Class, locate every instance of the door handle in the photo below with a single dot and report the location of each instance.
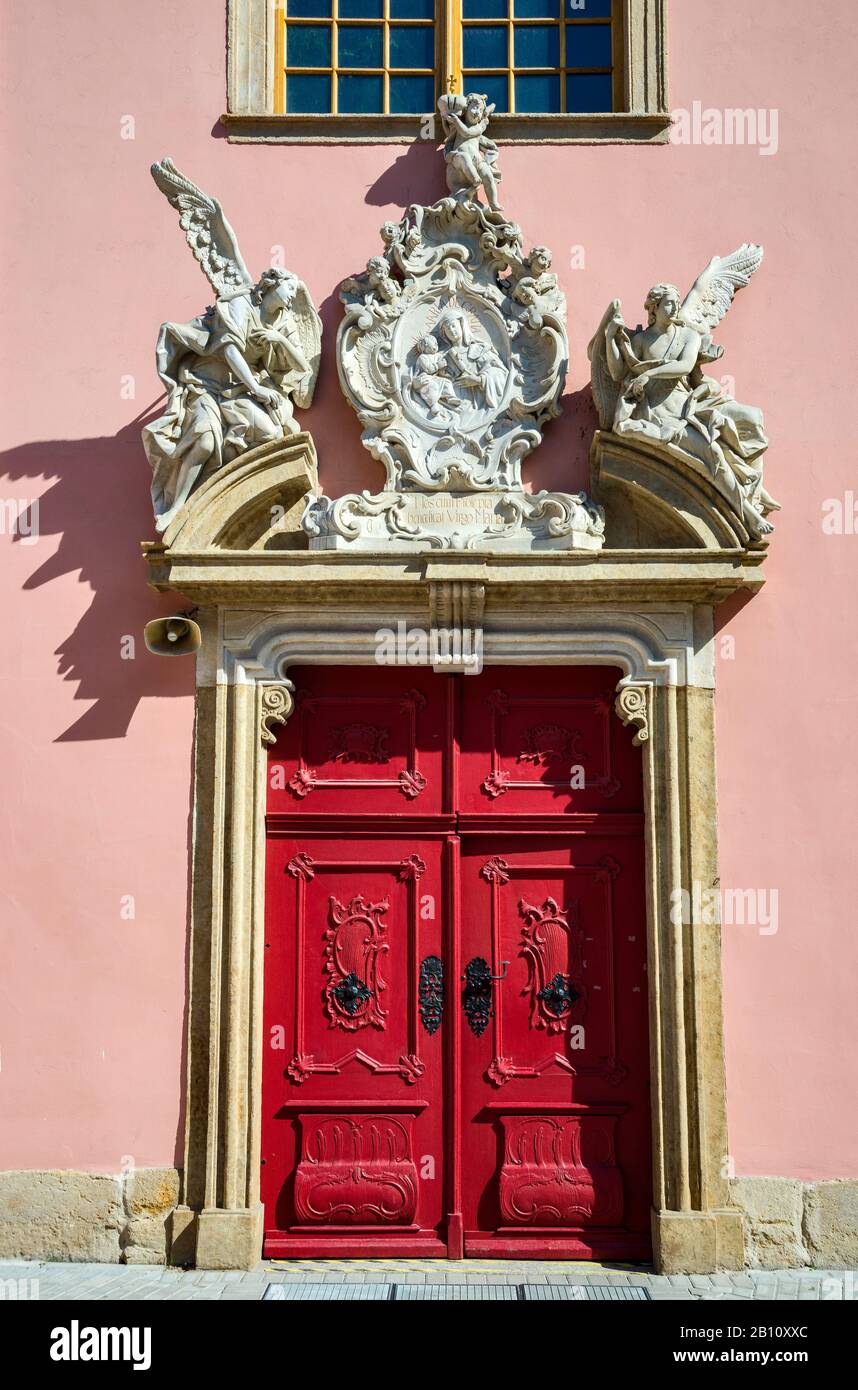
(477, 998)
(430, 993)
(351, 993)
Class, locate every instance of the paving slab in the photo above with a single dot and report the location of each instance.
(414, 1281)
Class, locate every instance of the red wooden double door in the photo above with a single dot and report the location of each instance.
(455, 1000)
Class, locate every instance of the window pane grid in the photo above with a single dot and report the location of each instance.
(364, 57)
(532, 82)
(379, 57)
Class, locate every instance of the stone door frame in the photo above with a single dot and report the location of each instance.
(665, 650)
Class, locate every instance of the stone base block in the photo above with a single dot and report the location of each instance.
(229, 1239)
(831, 1224)
(58, 1215)
(790, 1224)
(105, 1218)
(772, 1209)
(697, 1242)
(183, 1237)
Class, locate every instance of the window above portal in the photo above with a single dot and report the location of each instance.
(372, 70)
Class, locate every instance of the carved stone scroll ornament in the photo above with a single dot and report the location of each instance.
(456, 609)
(650, 383)
(277, 703)
(233, 373)
(453, 353)
(632, 707)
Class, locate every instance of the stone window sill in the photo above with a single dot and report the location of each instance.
(618, 128)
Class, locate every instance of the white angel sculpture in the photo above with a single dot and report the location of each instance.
(471, 156)
(650, 382)
(233, 372)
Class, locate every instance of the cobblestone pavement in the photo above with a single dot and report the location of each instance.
(531, 1279)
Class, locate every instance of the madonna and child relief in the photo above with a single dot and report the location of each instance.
(457, 370)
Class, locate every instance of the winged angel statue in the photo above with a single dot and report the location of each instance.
(233, 373)
(651, 382)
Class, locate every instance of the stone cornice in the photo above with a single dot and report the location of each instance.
(264, 578)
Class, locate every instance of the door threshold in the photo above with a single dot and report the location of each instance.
(345, 1247)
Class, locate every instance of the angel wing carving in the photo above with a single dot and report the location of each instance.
(651, 383)
(308, 329)
(206, 230)
(235, 372)
(606, 391)
(712, 292)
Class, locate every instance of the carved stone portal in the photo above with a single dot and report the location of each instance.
(453, 353)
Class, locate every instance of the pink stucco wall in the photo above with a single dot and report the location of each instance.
(96, 749)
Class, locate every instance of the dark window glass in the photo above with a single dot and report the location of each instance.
(536, 9)
(537, 92)
(363, 95)
(412, 9)
(485, 46)
(309, 9)
(589, 92)
(537, 45)
(412, 95)
(360, 9)
(493, 85)
(484, 9)
(588, 46)
(308, 46)
(411, 47)
(308, 95)
(360, 46)
(588, 9)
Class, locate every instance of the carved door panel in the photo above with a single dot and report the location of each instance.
(554, 1048)
(545, 743)
(352, 1144)
(363, 741)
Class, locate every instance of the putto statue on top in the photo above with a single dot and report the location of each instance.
(233, 373)
(651, 383)
(453, 353)
(471, 157)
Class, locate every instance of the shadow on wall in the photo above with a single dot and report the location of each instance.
(417, 176)
(99, 507)
(561, 462)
